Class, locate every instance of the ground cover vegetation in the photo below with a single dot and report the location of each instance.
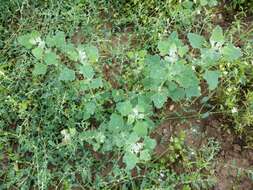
(99, 94)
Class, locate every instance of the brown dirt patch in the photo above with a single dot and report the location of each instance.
(231, 164)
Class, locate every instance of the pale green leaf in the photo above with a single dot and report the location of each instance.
(96, 83)
(67, 75)
(90, 107)
(51, 58)
(217, 36)
(211, 78)
(116, 123)
(149, 143)
(193, 91)
(159, 99)
(59, 39)
(24, 41)
(144, 155)
(87, 71)
(182, 50)
(38, 52)
(130, 160)
(125, 108)
(132, 139)
(70, 50)
(196, 40)
(164, 47)
(141, 128)
(39, 69)
(231, 53)
(92, 53)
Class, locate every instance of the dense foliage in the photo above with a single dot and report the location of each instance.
(82, 113)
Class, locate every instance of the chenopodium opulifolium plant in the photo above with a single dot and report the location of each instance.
(124, 126)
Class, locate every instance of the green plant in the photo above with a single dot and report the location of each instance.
(86, 110)
(79, 105)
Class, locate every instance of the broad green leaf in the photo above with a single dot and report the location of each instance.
(159, 99)
(130, 160)
(50, 42)
(177, 94)
(92, 53)
(209, 57)
(158, 72)
(24, 41)
(70, 50)
(217, 36)
(96, 83)
(67, 75)
(117, 94)
(193, 91)
(211, 78)
(203, 2)
(144, 155)
(116, 123)
(132, 139)
(87, 71)
(35, 37)
(196, 40)
(59, 39)
(231, 53)
(182, 50)
(39, 69)
(141, 128)
(164, 47)
(51, 58)
(149, 143)
(152, 59)
(125, 108)
(38, 52)
(90, 107)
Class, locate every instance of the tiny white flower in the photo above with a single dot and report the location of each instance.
(66, 137)
(141, 116)
(2, 73)
(135, 111)
(229, 89)
(192, 153)
(38, 41)
(194, 130)
(162, 175)
(136, 148)
(34, 41)
(234, 110)
(193, 68)
(82, 55)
